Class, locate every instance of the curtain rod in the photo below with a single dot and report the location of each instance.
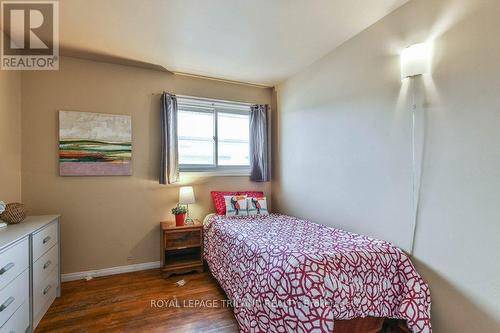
(206, 99)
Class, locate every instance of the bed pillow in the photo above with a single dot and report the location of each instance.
(236, 205)
(257, 206)
(252, 194)
(219, 203)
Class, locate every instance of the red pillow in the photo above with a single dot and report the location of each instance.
(219, 203)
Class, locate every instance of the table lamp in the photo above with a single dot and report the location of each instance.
(186, 197)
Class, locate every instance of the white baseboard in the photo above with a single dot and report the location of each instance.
(110, 271)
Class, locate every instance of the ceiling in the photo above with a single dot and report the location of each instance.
(253, 41)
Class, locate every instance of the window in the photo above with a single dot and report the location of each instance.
(213, 135)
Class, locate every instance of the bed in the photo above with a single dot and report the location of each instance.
(284, 274)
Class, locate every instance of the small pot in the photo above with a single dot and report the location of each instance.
(179, 219)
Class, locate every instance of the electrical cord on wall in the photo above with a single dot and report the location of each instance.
(416, 162)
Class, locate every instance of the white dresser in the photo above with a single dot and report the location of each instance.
(30, 275)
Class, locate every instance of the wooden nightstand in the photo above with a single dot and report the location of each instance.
(181, 248)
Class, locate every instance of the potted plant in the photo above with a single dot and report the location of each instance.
(180, 215)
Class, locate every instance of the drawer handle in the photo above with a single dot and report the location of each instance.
(46, 239)
(47, 264)
(46, 290)
(6, 268)
(6, 304)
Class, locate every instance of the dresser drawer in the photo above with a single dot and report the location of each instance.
(45, 292)
(13, 261)
(13, 295)
(43, 310)
(43, 240)
(44, 265)
(19, 321)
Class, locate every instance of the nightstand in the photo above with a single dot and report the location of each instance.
(181, 248)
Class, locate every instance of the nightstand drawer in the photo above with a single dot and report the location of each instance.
(182, 239)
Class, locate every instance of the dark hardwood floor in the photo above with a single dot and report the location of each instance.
(146, 302)
(126, 303)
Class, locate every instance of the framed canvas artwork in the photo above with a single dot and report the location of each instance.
(94, 144)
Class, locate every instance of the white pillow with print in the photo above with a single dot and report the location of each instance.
(257, 206)
(236, 205)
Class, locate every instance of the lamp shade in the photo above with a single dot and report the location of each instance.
(186, 195)
(416, 60)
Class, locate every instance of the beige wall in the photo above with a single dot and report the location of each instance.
(10, 136)
(112, 221)
(344, 142)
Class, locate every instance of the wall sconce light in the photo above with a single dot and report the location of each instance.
(416, 60)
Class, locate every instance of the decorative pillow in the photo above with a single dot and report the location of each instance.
(252, 194)
(236, 205)
(219, 202)
(257, 206)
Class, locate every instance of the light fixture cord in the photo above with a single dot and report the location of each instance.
(416, 171)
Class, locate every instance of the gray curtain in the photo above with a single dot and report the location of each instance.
(169, 164)
(260, 170)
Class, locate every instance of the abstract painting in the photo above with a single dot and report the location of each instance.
(94, 144)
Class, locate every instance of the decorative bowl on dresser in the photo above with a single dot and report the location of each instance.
(181, 248)
(30, 275)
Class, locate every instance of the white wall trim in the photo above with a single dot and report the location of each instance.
(110, 271)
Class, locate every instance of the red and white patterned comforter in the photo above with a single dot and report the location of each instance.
(284, 274)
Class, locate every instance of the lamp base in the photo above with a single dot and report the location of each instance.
(188, 220)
